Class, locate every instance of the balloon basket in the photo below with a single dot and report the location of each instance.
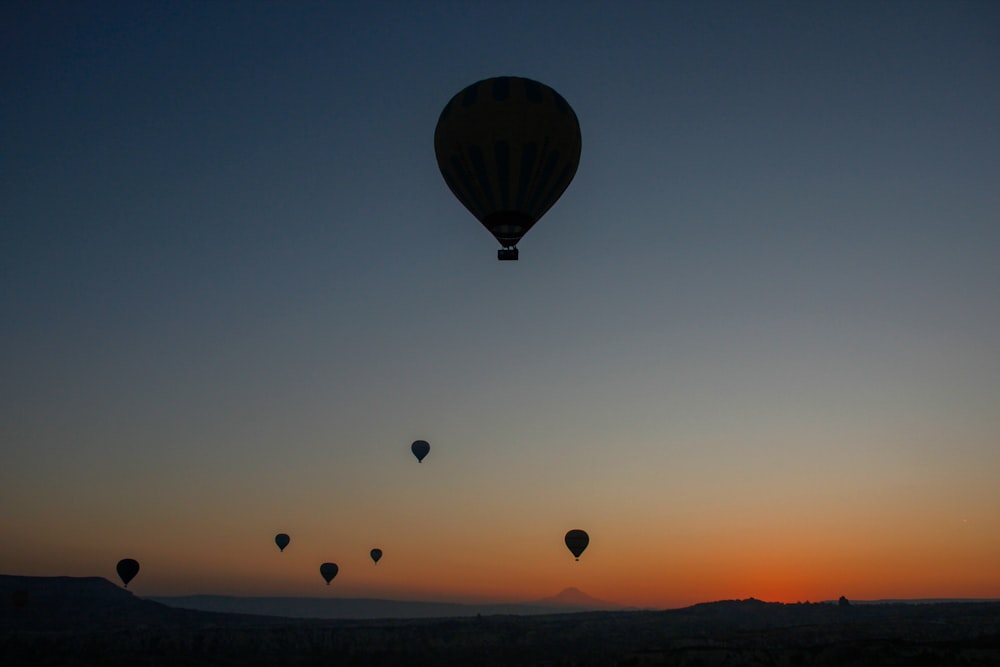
(507, 254)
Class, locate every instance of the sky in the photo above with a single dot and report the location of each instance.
(752, 350)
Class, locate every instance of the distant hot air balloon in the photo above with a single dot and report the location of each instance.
(577, 541)
(329, 571)
(282, 540)
(127, 569)
(420, 449)
(376, 554)
(508, 147)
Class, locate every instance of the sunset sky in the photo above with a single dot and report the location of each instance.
(754, 350)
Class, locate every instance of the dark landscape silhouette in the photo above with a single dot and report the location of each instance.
(89, 620)
(567, 601)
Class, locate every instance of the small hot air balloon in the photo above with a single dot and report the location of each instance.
(508, 147)
(282, 540)
(577, 541)
(376, 555)
(127, 569)
(420, 449)
(329, 571)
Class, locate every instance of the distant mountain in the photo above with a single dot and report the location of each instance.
(569, 601)
(327, 608)
(85, 603)
(577, 600)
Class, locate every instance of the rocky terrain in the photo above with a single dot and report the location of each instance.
(89, 621)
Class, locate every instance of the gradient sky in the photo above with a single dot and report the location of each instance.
(753, 350)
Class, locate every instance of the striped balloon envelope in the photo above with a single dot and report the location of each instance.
(508, 147)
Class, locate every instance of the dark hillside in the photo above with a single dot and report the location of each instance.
(71, 622)
(82, 604)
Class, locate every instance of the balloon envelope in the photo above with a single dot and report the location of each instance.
(420, 449)
(508, 147)
(376, 554)
(329, 571)
(577, 541)
(127, 569)
(282, 540)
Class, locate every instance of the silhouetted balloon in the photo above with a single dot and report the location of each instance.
(420, 449)
(127, 569)
(577, 541)
(282, 541)
(376, 554)
(508, 147)
(329, 571)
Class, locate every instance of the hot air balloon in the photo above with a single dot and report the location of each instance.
(376, 554)
(127, 569)
(329, 571)
(282, 540)
(420, 449)
(508, 147)
(577, 541)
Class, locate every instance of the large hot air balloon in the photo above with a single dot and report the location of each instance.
(127, 569)
(420, 449)
(329, 571)
(577, 541)
(282, 540)
(376, 555)
(508, 148)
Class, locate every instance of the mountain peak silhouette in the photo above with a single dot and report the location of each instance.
(574, 597)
